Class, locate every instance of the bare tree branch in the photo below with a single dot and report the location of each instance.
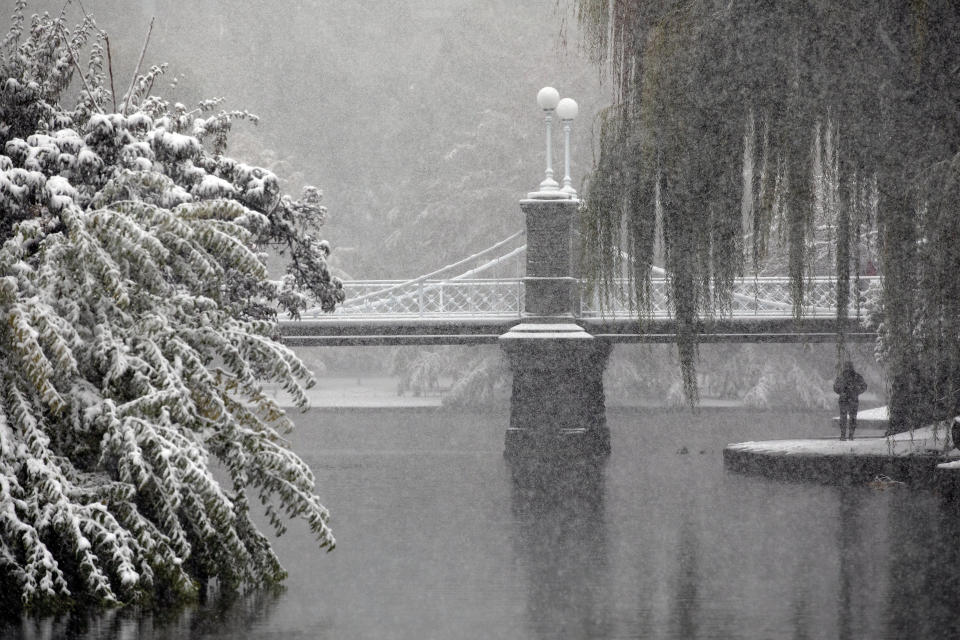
(113, 91)
(136, 72)
(83, 79)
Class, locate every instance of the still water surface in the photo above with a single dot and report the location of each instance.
(439, 538)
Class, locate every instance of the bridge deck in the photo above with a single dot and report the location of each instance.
(766, 297)
(479, 311)
(406, 330)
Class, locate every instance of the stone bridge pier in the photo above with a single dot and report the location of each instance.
(557, 402)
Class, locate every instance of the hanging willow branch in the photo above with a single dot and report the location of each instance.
(696, 87)
(649, 183)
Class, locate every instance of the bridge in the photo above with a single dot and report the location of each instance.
(479, 311)
(454, 306)
(556, 335)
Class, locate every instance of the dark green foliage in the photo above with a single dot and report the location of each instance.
(922, 301)
(700, 85)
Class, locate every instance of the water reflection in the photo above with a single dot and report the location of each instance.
(800, 620)
(943, 581)
(561, 541)
(924, 570)
(686, 601)
(849, 545)
(226, 616)
(441, 539)
(908, 526)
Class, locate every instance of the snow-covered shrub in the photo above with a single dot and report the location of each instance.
(420, 370)
(136, 335)
(789, 383)
(482, 382)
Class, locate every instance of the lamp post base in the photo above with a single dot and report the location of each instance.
(557, 405)
(554, 193)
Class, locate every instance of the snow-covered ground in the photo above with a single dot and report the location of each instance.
(921, 441)
(350, 393)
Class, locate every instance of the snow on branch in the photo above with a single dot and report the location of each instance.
(136, 335)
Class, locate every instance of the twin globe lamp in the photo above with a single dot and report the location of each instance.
(549, 100)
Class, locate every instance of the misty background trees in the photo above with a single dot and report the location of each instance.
(417, 117)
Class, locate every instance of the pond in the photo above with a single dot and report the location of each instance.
(439, 538)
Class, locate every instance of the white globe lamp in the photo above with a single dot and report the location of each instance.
(547, 99)
(567, 109)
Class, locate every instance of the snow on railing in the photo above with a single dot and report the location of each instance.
(465, 297)
(768, 297)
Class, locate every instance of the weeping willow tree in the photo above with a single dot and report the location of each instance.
(743, 131)
(921, 324)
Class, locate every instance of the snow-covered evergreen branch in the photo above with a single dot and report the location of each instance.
(136, 336)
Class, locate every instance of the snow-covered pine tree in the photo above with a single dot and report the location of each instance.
(136, 336)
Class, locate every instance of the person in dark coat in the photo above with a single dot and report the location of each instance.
(848, 386)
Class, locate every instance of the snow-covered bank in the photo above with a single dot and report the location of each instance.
(343, 392)
(910, 457)
(924, 441)
(360, 393)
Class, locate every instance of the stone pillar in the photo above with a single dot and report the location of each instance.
(550, 287)
(557, 404)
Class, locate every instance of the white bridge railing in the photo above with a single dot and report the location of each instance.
(768, 297)
(431, 298)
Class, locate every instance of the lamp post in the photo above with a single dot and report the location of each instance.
(556, 402)
(567, 109)
(547, 99)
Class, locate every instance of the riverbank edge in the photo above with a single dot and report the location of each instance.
(917, 470)
(435, 403)
(925, 457)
